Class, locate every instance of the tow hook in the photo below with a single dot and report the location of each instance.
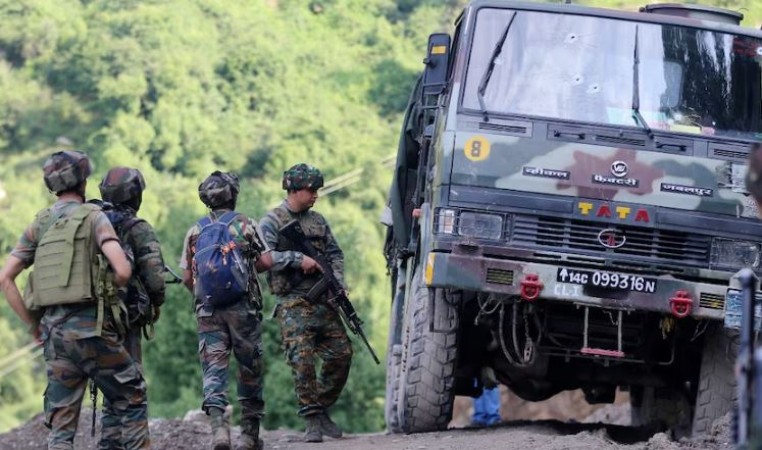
(681, 304)
(531, 286)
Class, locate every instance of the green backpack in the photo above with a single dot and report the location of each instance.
(66, 261)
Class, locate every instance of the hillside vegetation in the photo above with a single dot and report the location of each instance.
(179, 88)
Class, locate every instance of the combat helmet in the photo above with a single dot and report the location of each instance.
(122, 184)
(302, 176)
(65, 170)
(219, 188)
(754, 173)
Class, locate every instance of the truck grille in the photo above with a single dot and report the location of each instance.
(655, 246)
(711, 301)
(500, 276)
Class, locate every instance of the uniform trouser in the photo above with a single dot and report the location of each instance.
(237, 328)
(70, 363)
(311, 330)
(111, 426)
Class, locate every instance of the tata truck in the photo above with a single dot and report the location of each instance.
(568, 211)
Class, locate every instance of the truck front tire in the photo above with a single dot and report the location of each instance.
(716, 391)
(427, 359)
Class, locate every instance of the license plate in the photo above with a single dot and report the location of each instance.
(734, 309)
(607, 280)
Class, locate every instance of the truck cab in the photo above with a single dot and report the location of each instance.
(568, 211)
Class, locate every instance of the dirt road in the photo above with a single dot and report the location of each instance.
(544, 435)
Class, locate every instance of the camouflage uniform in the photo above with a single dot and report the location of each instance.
(309, 328)
(146, 288)
(236, 328)
(74, 351)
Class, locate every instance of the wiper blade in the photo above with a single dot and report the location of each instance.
(639, 119)
(491, 66)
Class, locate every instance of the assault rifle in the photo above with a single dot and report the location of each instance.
(293, 232)
(748, 414)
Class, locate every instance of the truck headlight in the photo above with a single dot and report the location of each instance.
(445, 221)
(479, 225)
(734, 255)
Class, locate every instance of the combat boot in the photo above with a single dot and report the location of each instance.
(220, 429)
(249, 438)
(328, 427)
(312, 432)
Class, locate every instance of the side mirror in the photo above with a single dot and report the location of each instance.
(437, 62)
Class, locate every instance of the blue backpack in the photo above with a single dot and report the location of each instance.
(221, 276)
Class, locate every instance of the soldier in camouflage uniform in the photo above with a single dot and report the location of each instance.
(236, 328)
(78, 342)
(123, 187)
(310, 327)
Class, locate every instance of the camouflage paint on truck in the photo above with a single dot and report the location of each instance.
(576, 192)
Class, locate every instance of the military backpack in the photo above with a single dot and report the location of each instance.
(221, 275)
(136, 299)
(67, 260)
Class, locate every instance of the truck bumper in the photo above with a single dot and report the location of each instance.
(663, 293)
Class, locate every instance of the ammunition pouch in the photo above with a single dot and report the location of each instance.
(316, 293)
(110, 298)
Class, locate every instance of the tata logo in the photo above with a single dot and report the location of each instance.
(619, 169)
(611, 238)
(608, 211)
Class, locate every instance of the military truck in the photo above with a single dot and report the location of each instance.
(568, 211)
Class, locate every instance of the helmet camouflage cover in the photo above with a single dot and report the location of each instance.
(302, 176)
(754, 173)
(121, 184)
(219, 188)
(66, 170)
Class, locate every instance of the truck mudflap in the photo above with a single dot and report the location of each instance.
(590, 287)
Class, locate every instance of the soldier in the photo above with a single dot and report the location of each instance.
(123, 187)
(236, 326)
(79, 341)
(309, 326)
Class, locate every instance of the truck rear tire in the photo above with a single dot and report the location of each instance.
(428, 357)
(716, 391)
(393, 357)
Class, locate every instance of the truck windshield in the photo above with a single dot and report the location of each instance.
(580, 68)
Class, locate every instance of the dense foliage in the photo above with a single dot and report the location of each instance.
(179, 88)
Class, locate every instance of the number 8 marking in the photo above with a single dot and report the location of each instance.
(477, 148)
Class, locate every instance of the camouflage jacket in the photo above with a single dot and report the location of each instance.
(286, 279)
(76, 321)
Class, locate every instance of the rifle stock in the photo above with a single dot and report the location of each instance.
(293, 232)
